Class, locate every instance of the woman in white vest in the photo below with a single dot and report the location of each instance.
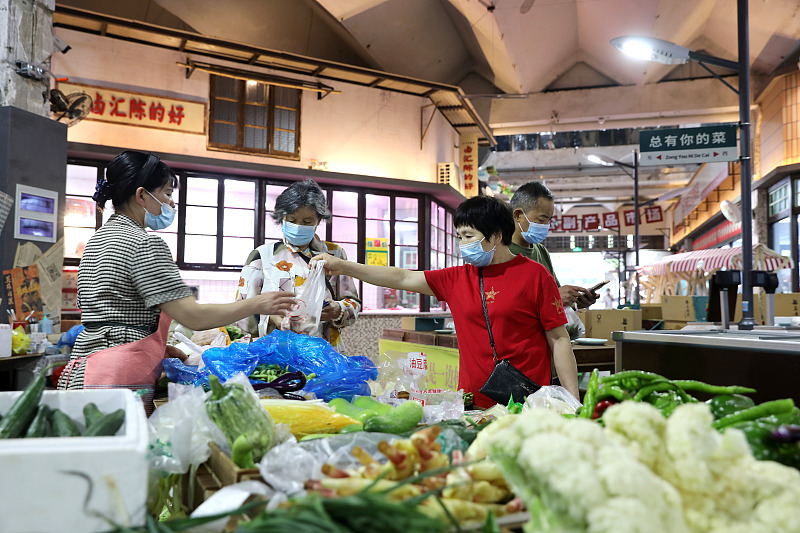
(283, 265)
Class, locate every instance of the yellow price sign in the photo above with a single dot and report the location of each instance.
(377, 251)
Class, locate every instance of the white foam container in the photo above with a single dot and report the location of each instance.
(38, 495)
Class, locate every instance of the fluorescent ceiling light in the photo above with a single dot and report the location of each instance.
(649, 49)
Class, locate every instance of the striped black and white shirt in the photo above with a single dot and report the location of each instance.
(124, 275)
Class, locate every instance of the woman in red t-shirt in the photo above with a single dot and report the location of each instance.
(522, 298)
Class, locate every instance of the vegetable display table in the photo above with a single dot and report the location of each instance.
(766, 360)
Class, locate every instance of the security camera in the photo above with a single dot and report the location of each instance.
(61, 45)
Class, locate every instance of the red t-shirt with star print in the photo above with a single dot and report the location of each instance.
(523, 303)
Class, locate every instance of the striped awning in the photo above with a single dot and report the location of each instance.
(717, 259)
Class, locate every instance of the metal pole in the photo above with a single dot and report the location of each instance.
(746, 165)
(636, 221)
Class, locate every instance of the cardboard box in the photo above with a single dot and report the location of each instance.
(684, 308)
(674, 324)
(787, 304)
(677, 308)
(602, 322)
(651, 312)
(759, 308)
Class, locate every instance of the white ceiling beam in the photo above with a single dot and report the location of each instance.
(492, 43)
(680, 102)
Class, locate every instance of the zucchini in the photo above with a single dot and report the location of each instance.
(402, 418)
(91, 413)
(63, 425)
(107, 425)
(16, 421)
(40, 425)
(236, 411)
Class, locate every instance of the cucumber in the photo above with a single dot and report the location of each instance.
(371, 404)
(16, 421)
(402, 418)
(91, 413)
(40, 425)
(352, 428)
(343, 407)
(107, 425)
(63, 425)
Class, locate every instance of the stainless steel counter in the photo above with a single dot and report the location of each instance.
(766, 359)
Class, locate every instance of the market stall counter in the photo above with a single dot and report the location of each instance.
(767, 360)
(442, 354)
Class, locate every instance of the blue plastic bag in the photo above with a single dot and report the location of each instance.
(231, 360)
(68, 338)
(178, 372)
(336, 375)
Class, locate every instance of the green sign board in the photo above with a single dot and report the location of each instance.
(688, 145)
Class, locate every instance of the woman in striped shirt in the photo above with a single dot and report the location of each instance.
(127, 278)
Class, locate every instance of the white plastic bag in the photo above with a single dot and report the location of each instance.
(304, 317)
(575, 326)
(553, 398)
(180, 431)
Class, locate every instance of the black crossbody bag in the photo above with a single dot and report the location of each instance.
(505, 381)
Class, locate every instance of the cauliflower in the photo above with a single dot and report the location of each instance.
(642, 473)
(574, 477)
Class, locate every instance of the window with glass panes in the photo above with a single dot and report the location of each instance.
(82, 218)
(444, 251)
(80, 214)
(779, 199)
(254, 117)
(221, 219)
(219, 226)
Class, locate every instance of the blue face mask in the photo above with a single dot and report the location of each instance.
(474, 254)
(158, 222)
(536, 232)
(297, 235)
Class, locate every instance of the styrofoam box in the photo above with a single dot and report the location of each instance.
(37, 492)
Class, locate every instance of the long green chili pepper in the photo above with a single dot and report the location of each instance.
(627, 374)
(765, 409)
(658, 386)
(611, 391)
(699, 386)
(590, 400)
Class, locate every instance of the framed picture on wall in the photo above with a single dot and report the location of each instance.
(36, 217)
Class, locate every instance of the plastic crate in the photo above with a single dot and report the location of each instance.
(39, 488)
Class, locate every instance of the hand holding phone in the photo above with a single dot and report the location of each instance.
(599, 286)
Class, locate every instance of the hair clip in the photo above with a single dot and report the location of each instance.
(101, 190)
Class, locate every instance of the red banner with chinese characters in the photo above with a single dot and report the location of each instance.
(611, 220)
(144, 110)
(569, 223)
(468, 157)
(653, 214)
(591, 222)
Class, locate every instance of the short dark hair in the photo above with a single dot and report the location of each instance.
(487, 215)
(526, 195)
(129, 171)
(299, 194)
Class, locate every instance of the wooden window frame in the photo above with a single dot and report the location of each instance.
(270, 150)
